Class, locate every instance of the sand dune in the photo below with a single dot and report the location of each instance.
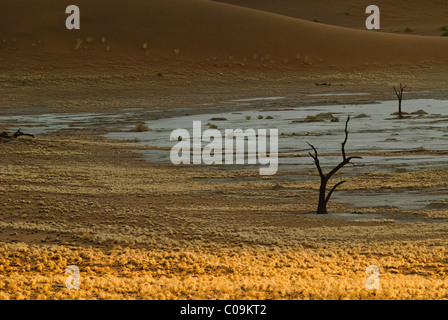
(195, 33)
(420, 17)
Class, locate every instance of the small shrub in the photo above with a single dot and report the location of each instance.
(321, 117)
(408, 30)
(78, 44)
(141, 127)
(311, 118)
(260, 117)
(85, 236)
(334, 119)
(269, 117)
(213, 126)
(444, 34)
(248, 117)
(325, 116)
(419, 112)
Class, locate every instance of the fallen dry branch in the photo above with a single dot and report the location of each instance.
(7, 137)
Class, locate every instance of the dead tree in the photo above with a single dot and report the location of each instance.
(399, 94)
(323, 198)
(16, 134)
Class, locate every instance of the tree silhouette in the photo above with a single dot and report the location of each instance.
(399, 94)
(323, 198)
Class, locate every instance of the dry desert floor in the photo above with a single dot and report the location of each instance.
(141, 230)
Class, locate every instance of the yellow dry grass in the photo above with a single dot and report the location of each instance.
(407, 271)
(135, 232)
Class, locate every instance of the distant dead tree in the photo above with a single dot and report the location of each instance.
(323, 199)
(18, 133)
(399, 94)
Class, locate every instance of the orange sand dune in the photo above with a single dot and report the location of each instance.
(199, 33)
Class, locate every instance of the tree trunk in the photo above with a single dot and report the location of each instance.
(322, 204)
(399, 108)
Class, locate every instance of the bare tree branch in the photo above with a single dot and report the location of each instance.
(346, 137)
(332, 189)
(340, 165)
(19, 133)
(316, 161)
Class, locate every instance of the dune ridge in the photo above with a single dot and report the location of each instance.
(421, 17)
